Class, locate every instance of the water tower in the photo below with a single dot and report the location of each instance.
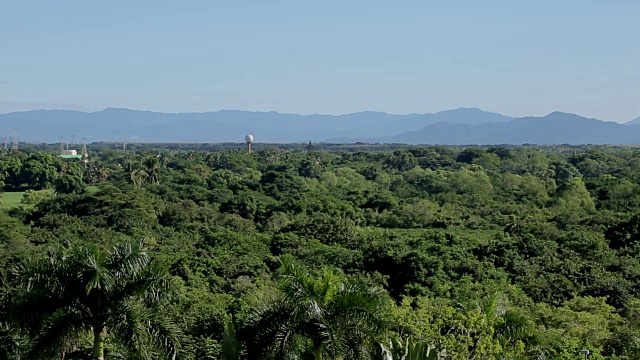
(249, 140)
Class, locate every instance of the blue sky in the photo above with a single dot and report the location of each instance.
(514, 57)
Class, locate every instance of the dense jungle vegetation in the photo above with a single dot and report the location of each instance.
(312, 253)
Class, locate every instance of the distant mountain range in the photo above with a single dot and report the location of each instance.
(461, 126)
(635, 121)
(555, 128)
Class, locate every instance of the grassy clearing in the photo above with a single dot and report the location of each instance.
(9, 200)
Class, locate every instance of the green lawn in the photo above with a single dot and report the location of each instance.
(10, 200)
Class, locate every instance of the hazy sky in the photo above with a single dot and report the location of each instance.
(514, 57)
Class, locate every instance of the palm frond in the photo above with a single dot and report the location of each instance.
(128, 327)
(340, 318)
(230, 345)
(268, 329)
(151, 284)
(56, 332)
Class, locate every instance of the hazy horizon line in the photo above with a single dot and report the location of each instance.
(27, 107)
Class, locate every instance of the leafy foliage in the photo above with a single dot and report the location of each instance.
(82, 288)
(322, 251)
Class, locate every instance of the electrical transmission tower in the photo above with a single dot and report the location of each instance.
(85, 153)
(15, 139)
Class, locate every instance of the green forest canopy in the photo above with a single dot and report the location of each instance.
(322, 252)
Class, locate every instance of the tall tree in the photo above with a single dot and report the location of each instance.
(78, 289)
(324, 314)
(135, 175)
(152, 168)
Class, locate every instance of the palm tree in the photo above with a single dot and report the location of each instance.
(135, 174)
(513, 328)
(213, 160)
(81, 289)
(324, 314)
(191, 155)
(90, 173)
(151, 169)
(163, 159)
(103, 173)
(97, 172)
(12, 341)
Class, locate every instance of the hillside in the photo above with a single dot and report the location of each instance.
(635, 121)
(555, 128)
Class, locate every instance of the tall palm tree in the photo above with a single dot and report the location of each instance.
(81, 289)
(324, 314)
(152, 168)
(97, 172)
(163, 159)
(134, 173)
(103, 173)
(90, 173)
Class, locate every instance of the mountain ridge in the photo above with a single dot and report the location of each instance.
(553, 129)
(114, 124)
(463, 125)
(635, 121)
